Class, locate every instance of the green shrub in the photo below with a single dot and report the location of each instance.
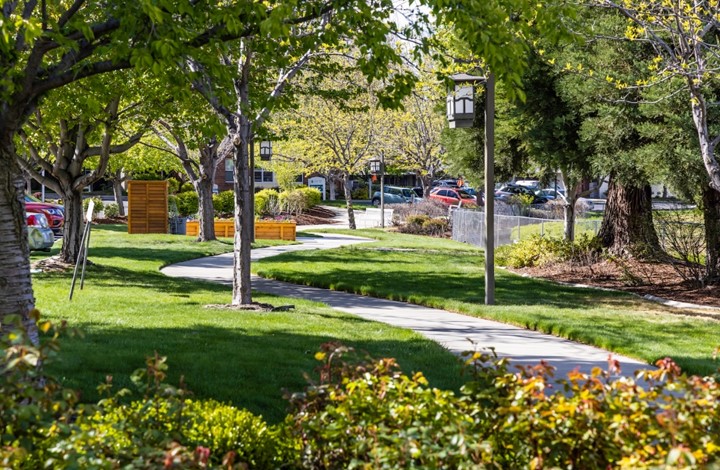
(366, 414)
(173, 186)
(186, 188)
(538, 251)
(224, 204)
(360, 193)
(266, 202)
(435, 227)
(293, 202)
(313, 197)
(97, 208)
(187, 203)
(31, 403)
(111, 210)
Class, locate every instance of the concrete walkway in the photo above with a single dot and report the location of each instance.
(454, 331)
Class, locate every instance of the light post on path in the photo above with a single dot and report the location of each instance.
(377, 166)
(461, 114)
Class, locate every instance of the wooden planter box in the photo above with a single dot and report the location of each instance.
(268, 230)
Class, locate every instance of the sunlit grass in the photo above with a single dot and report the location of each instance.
(445, 274)
(128, 310)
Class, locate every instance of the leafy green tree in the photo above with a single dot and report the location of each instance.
(78, 130)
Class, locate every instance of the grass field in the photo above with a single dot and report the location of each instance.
(128, 310)
(444, 274)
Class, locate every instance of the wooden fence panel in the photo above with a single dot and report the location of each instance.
(147, 207)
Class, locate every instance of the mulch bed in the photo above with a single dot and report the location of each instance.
(639, 277)
(315, 215)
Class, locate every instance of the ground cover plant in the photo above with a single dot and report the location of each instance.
(445, 274)
(129, 310)
(357, 411)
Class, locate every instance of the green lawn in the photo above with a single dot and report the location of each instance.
(128, 310)
(445, 274)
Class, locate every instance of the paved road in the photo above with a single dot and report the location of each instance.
(454, 331)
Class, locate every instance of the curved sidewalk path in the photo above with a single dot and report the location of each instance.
(454, 331)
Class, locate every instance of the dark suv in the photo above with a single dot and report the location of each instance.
(507, 191)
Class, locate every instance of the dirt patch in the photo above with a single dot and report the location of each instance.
(639, 277)
(111, 220)
(53, 264)
(253, 307)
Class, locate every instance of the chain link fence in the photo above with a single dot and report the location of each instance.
(468, 226)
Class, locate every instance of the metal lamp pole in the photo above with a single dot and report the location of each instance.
(382, 190)
(490, 190)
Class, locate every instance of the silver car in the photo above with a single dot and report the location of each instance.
(40, 235)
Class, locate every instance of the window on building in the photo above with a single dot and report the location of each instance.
(263, 176)
(229, 170)
(299, 179)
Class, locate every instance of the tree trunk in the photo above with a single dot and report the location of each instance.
(627, 228)
(206, 211)
(243, 212)
(572, 189)
(347, 188)
(73, 228)
(711, 216)
(15, 283)
(427, 185)
(331, 186)
(118, 192)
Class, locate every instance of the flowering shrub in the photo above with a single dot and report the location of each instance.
(369, 414)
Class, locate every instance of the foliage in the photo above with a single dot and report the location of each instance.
(369, 414)
(539, 251)
(362, 413)
(111, 210)
(421, 224)
(31, 403)
(684, 241)
(173, 186)
(224, 203)
(429, 207)
(186, 187)
(361, 193)
(267, 202)
(165, 423)
(293, 202)
(312, 196)
(187, 203)
(97, 208)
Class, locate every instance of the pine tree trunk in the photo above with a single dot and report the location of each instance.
(16, 293)
(118, 192)
(627, 228)
(73, 228)
(347, 188)
(206, 211)
(711, 216)
(243, 211)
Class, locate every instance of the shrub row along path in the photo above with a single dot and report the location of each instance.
(454, 331)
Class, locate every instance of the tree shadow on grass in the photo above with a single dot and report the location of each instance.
(230, 364)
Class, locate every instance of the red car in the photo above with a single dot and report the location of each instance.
(453, 197)
(54, 213)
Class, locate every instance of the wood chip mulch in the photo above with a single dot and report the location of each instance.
(639, 277)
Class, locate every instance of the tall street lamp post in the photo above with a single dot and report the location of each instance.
(461, 113)
(377, 167)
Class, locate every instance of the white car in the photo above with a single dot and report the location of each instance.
(40, 235)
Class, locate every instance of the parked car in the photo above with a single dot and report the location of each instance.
(453, 197)
(40, 235)
(507, 191)
(54, 213)
(450, 183)
(396, 195)
(550, 194)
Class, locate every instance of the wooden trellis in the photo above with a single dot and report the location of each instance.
(147, 207)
